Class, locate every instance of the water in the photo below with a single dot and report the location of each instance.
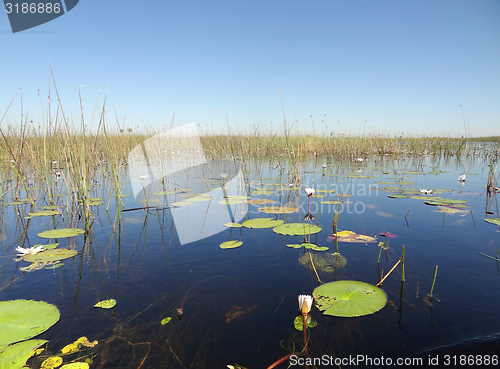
(244, 300)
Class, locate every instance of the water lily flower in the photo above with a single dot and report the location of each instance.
(30, 251)
(309, 191)
(426, 191)
(359, 159)
(324, 166)
(461, 178)
(305, 303)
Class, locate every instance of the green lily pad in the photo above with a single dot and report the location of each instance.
(165, 321)
(493, 221)
(106, 304)
(230, 244)
(349, 298)
(331, 202)
(262, 223)
(50, 207)
(326, 191)
(405, 183)
(298, 323)
(294, 246)
(61, 233)
(262, 192)
(233, 225)
(397, 196)
(50, 246)
(52, 362)
(78, 365)
(22, 319)
(50, 255)
(261, 201)
(308, 245)
(441, 202)
(297, 229)
(233, 201)
(181, 203)
(163, 193)
(43, 213)
(278, 210)
(15, 356)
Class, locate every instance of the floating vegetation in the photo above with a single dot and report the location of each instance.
(62, 233)
(388, 234)
(278, 210)
(52, 362)
(299, 325)
(382, 214)
(325, 262)
(493, 221)
(15, 356)
(23, 319)
(106, 304)
(331, 202)
(350, 236)
(449, 202)
(233, 225)
(262, 192)
(400, 196)
(43, 213)
(261, 201)
(262, 223)
(165, 320)
(297, 229)
(51, 255)
(349, 298)
(230, 244)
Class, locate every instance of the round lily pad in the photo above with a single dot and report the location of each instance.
(233, 225)
(262, 223)
(261, 201)
(297, 229)
(106, 304)
(52, 362)
(331, 202)
(294, 246)
(493, 221)
(43, 213)
(349, 298)
(77, 365)
(15, 356)
(230, 244)
(278, 210)
(50, 255)
(165, 321)
(61, 233)
(23, 319)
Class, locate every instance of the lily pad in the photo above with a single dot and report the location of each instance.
(397, 196)
(50, 255)
(382, 214)
(52, 362)
(43, 213)
(15, 356)
(262, 192)
(62, 233)
(23, 319)
(278, 210)
(350, 236)
(165, 321)
(261, 201)
(493, 221)
(327, 262)
(106, 304)
(294, 246)
(262, 223)
(50, 246)
(349, 298)
(297, 229)
(331, 202)
(233, 225)
(230, 244)
(78, 365)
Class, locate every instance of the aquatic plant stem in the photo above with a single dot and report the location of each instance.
(434, 281)
(312, 263)
(389, 272)
(403, 265)
(304, 329)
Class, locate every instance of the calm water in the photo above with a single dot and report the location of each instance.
(243, 309)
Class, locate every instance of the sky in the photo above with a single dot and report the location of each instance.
(353, 67)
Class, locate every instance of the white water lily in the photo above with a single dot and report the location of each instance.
(30, 251)
(426, 191)
(309, 191)
(461, 178)
(305, 303)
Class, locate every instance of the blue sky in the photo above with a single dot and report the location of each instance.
(370, 66)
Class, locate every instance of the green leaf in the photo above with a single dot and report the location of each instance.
(42, 213)
(278, 210)
(15, 356)
(166, 320)
(349, 298)
(493, 221)
(62, 233)
(299, 323)
(52, 362)
(233, 225)
(50, 246)
(331, 202)
(50, 255)
(78, 365)
(294, 246)
(230, 244)
(22, 319)
(297, 229)
(262, 223)
(106, 304)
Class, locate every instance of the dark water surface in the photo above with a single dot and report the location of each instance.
(243, 309)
